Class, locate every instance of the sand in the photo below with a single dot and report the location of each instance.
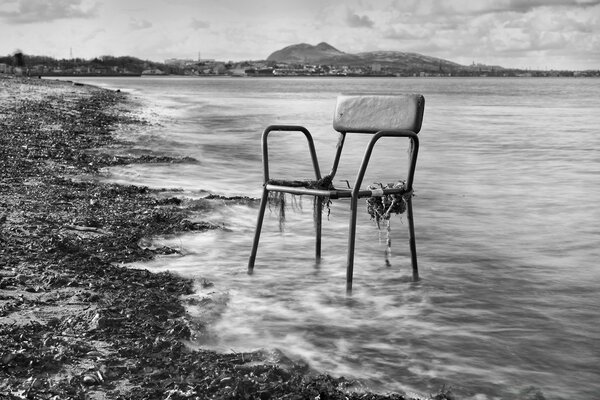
(75, 321)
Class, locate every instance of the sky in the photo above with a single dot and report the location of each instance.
(527, 34)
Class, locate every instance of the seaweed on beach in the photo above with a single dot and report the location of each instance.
(381, 208)
(277, 200)
(75, 322)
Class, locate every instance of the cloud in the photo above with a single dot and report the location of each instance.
(357, 21)
(136, 24)
(92, 35)
(528, 5)
(439, 8)
(31, 11)
(489, 29)
(403, 33)
(197, 24)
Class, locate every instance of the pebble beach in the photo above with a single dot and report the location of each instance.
(75, 321)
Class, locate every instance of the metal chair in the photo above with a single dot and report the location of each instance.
(393, 115)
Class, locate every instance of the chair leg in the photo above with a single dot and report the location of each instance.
(351, 243)
(261, 214)
(411, 239)
(318, 224)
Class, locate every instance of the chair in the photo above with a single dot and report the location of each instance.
(389, 115)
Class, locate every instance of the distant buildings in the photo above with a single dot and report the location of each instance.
(154, 71)
(115, 66)
(180, 62)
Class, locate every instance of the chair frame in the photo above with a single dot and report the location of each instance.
(353, 193)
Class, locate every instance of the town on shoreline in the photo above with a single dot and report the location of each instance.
(131, 66)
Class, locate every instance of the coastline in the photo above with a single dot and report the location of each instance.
(74, 323)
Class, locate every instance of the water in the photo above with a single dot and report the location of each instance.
(507, 225)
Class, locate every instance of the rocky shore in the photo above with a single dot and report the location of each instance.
(75, 323)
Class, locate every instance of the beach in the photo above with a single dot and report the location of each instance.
(75, 321)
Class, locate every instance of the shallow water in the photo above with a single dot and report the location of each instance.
(506, 211)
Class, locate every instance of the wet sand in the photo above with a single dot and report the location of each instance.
(74, 321)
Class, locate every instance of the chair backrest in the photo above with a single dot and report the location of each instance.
(371, 113)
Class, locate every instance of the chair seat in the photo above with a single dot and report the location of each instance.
(312, 188)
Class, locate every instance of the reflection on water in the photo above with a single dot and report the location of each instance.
(506, 213)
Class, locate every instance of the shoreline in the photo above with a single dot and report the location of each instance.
(73, 322)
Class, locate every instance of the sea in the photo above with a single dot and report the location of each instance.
(507, 221)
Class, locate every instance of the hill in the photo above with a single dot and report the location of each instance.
(407, 60)
(324, 53)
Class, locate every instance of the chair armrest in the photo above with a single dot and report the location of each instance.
(414, 138)
(288, 128)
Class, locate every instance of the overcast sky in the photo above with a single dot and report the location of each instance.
(540, 34)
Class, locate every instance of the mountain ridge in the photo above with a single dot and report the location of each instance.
(324, 53)
(307, 53)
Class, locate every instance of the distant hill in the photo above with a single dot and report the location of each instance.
(407, 60)
(324, 53)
